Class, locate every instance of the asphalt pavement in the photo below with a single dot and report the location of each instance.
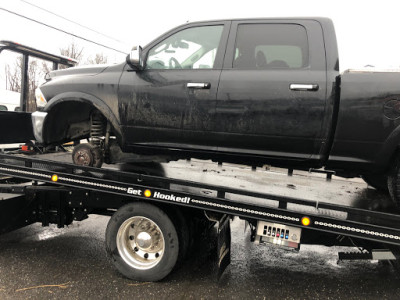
(71, 263)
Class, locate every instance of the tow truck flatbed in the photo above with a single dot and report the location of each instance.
(48, 189)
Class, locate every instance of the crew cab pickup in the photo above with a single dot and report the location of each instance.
(250, 91)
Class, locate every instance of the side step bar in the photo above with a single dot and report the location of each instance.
(376, 254)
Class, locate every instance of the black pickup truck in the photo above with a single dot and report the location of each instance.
(250, 91)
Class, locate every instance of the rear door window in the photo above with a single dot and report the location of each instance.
(271, 46)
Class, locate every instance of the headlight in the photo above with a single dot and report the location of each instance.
(40, 99)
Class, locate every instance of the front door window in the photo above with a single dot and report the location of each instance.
(192, 48)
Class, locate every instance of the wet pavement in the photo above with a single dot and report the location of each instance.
(71, 263)
(74, 258)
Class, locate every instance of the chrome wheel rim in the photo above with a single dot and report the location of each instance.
(140, 243)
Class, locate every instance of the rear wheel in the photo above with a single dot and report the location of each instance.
(377, 181)
(179, 221)
(142, 242)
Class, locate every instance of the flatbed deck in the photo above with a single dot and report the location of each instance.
(305, 185)
(304, 193)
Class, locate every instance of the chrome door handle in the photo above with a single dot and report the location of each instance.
(304, 87)
(198, 85)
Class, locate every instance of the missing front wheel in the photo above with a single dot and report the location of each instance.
(88, 155)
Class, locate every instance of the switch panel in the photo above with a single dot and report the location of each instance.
(278, 234)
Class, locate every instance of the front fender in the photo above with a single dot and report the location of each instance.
(88, 99)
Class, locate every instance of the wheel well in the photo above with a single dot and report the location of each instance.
(69, 120)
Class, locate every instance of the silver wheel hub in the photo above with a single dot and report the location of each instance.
(140, 243)
(144, 240)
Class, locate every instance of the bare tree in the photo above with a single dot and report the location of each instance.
(72, 51)
(13, 76)
(46, 67)
(99, 59)
(33, 74)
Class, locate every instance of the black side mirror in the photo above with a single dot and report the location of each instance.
(134, 59)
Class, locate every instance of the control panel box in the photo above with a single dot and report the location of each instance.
(278, 234)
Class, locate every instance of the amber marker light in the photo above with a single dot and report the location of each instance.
(147, 193)
(54, 178)
(305, 221)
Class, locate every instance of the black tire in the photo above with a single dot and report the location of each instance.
(125, 246)
(179, 220)
(394, 183)
(377, 181)
(87, 155)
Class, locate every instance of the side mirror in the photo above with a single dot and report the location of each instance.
(134, 59)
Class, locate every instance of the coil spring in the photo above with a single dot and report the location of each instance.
(96, 129)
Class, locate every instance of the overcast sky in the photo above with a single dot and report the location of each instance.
(368, 31)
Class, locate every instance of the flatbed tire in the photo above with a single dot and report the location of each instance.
(124, 259)
(179, 220)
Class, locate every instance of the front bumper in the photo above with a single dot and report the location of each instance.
(38, 118)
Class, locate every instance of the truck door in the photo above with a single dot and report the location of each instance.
(272, 92)
(172, 101)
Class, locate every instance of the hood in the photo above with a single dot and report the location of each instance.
(85, 70)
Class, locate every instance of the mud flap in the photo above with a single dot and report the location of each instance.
(224, 244)
(15, 127)
(15, 213)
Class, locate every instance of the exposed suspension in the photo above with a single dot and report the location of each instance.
(97, 129)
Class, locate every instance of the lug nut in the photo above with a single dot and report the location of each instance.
(131, 237)
(136, 249)
(146, 255)
(157, 255)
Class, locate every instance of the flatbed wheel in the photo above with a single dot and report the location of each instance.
(142, 242)
(87, 155)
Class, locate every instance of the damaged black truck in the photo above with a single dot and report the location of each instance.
(251, 91)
